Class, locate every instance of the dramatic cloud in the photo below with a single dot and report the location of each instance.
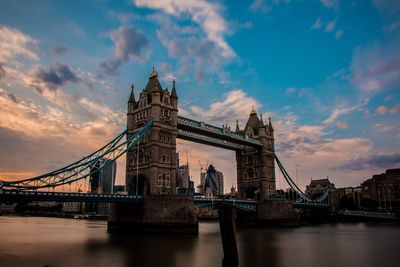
(55, 77)
(129, 44)
(193, 32)
(382, 162)
(376, 67)
(205, 14)
(40, 138)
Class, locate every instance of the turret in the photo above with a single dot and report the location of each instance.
(270, 125)
(237, 126)
(174, 96)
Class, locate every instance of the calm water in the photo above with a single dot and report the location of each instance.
(30, 241)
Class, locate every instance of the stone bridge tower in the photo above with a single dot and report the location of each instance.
(256, 167)
(154, 159)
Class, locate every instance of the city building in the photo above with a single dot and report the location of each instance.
(383, 189)
(102, 181)
(220, 179)
(318, 187)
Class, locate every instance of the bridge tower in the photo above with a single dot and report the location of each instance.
(153, 165)
(256, 167)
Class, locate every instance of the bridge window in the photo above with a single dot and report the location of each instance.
(149, 99)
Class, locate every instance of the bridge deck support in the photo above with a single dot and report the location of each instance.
(228, 236)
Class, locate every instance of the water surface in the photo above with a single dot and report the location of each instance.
(38, 241)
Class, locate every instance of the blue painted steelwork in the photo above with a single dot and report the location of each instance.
(15, 196)
(83, 168)
(204, 133)
(304, 199)
(247, 205)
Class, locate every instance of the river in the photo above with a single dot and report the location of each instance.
(40, 241)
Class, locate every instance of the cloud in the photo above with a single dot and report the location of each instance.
(338, 34)
(206, 14)
(235, 104)
(387, 7)
(129, 44)
(55, 76)
(382, 110)
(334, 4)
(260, 6)
(317, 24)
(59, 50)
(38, 138)
(14, 43)
(291, 90)
(375, 67)
(341, 111)
(342, 125)
(383, 162)
(330, 26)
(392, 110)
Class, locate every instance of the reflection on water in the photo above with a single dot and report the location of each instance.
(30, 241)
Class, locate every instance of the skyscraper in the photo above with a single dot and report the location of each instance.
(102, 181)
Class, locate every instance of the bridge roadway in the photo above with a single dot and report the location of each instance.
(12, 196)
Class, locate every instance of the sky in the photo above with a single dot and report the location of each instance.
(327, 72)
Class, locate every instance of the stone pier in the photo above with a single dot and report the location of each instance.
(161, 214)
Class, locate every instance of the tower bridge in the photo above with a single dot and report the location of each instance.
(149, 142)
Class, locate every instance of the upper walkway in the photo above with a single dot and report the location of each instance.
(198, 131)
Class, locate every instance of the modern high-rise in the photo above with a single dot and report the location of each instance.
(102, 181)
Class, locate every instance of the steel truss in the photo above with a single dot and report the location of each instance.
(83, 168)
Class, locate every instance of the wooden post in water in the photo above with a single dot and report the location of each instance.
(228, 236)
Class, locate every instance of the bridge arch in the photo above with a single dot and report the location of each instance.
(143, 187)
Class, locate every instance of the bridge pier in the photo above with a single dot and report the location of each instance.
(161, 214)
(228, 236)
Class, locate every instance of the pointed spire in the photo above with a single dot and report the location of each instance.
(173, 92)
(253, 111)
(270, 124)
(261, 119)
(132, 96)
(153, 73)
(237, 126)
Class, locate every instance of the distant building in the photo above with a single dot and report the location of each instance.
(183, 184)
(319, 186)
(213, 182)
(383, 187)
(183, 176)
(102, 181)
(232, 193)
(220, 178)
(347, 197)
